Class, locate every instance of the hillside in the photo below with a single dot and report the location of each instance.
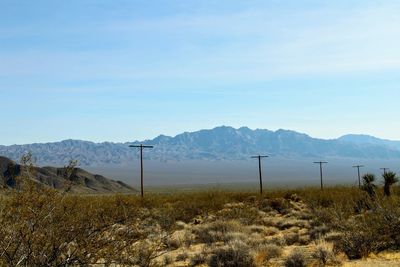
(221, 143)
(80, 181)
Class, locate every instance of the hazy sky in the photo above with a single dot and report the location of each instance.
(125, 70)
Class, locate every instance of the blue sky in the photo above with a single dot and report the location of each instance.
(127, 70)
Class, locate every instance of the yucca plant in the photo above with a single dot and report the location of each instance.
(389, 179)
(368, 184)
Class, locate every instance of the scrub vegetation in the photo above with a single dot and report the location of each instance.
(41, 226)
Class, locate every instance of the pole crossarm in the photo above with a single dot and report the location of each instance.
(358, 166)
(256, 157)
(141, 146)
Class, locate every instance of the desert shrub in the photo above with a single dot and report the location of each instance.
(291, 238)
(318, 232)
(271, 231)
(40, 227)
(280, 205)
(304, 239)
(216, 231)
(236, 254)
(267, 252)
(257, 229)
(295, 259)
(142, 254)
(323, 254)
(355, 245)
(305, 216)
(168, 259)
(198, 259)
(182, 256)
(244, 214)
(45, 227)
(277, 240)
(375, 231)
(292, 196)
(339, 198)
(172, 242)
(290, 223)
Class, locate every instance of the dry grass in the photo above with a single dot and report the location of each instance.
(44, 227)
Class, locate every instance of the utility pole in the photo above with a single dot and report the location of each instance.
(259, 157)
(320, 169)
(141, 147)
(359, 175)
(384, 170)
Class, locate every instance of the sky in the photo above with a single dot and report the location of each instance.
(131, 70)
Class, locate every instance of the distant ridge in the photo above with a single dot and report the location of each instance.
(81, 181)
(362, 139)
(220, 143)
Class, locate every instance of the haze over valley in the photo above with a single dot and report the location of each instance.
(221, 156)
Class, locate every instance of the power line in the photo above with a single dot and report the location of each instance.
(141, 164)
(259, 157)
(320, 169)
(359, 175)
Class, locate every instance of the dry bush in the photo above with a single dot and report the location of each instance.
(323, 254)
(257, 229)
(168, 259)
(291, 238)
(271, 231)
(295, 259)
(267, 252)
(290, 223)
(276, 240)
(217, 231)
(234, 254)
(280, 205)
(366, 225)
(245, 214)
(355, 245)
(375, 231)
(175, 240)
(198, 259)
(182, 256)
(45, 227)
(41, 227)
(318, 232)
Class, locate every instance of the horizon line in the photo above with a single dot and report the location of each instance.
(194, 131)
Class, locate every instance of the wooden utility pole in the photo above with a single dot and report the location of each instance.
(259, 157)
(141, 147)
(359, 175)
(384, 170)
(320, 169)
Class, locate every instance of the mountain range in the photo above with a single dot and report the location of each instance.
(220, 143)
